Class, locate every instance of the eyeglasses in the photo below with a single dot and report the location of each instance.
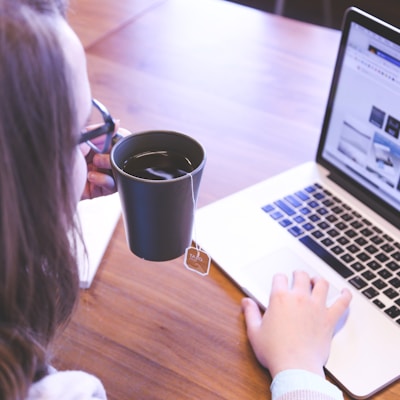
(106, 128)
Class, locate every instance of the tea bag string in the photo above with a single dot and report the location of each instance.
(196, 259)
(194, 212)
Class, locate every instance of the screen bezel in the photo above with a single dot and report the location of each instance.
(391, 33)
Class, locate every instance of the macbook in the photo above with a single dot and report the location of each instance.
(337, 216)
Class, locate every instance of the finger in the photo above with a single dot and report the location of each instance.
(124, 132)
(340, 305)
(102, 180)
(320, 288)
(252, 315)
(102, 161)
(280, 283)
(301, 281)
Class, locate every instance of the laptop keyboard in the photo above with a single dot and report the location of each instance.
(356, 249)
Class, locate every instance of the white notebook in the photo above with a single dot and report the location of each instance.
(98, 219)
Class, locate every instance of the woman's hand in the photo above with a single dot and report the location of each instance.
(297, 327)
(100, 181)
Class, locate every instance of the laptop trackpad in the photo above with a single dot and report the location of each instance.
(257, 276)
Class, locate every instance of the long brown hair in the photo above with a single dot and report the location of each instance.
(38, 128)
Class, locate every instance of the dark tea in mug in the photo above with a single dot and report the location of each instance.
(158, 165)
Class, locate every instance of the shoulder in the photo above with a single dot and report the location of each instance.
(67, 385)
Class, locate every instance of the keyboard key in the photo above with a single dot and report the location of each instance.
(353, 248)
(323, 225)
(393, 266)
(339, 267)
(322, 211)
(368, 275)
(285, 208)
(299, 219)
(285, 222)
(319, 195)
(268, 208)
(370, 292)
(351, 233)
(341, 226)
(295, 231)
(356, 224)
(393, 312)
(328, 203)
(327, 242)
(388, 238)
(385, 274)
(379, 303)
(371, 249)
(331, 218)
(308, 226)
(361, 241)
(377, 240)
(387, 248)
(276, 215)
(310, 189)
(396, 255)
(358, 282)
(317, 234)
(347, 258)
(363, 256)
(382, 257)
(333, 233)
(302, 196)
(293, 201)
(337, 250)
(376, 229)
(357, 266)
(391, 293)
(374, 265)
(337, 210)
(379, 284)
(313, 204)
(343, 241)
(366, 232)
(395, 282)
(346, 217)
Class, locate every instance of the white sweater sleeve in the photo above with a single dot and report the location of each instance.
(67, 385)
(303, 385)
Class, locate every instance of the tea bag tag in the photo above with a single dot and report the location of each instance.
(197, 260)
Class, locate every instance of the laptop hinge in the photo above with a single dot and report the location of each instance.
(383, 209)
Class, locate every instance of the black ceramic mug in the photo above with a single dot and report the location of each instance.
(158, 175)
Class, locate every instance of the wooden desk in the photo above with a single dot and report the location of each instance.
(252, 88)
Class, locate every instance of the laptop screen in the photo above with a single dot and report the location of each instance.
(361, 133)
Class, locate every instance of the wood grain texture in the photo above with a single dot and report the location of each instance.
(252, 88)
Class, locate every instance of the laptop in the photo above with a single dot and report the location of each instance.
(336, 217)
(98, 218)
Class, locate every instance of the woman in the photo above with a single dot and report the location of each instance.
(46, 101)
(45, 104)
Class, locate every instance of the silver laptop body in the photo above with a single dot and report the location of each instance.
(269, 227)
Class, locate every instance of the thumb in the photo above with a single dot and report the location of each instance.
(340, 305)
(252, 315)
